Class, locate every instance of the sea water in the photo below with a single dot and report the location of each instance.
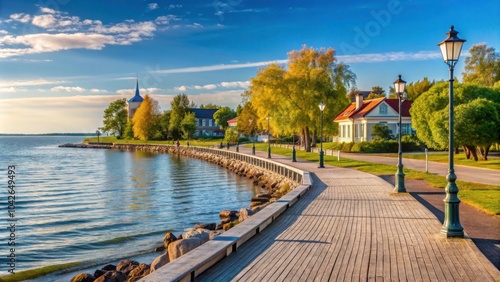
(74, 205)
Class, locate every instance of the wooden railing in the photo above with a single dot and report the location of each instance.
(190, 265)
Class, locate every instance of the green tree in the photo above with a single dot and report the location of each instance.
(247, 120)
(179, 109)
(163, 124)
(483, 66)
(222, 115)
(291, 97)
(377, 92)
(415, 89)
(129, 130)
(381, 132)
(145, 119)
(188, 126)
(231, 135)
(115, 117)
(239, 108)
(430, 117)
(209, 106)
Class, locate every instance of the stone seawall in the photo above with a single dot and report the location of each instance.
(275, 184)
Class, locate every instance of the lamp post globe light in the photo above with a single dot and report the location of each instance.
(268, 139)
(321, 154)
(450, 49)
(253, 136)
(399, 187)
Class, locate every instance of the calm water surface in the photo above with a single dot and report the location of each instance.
(96, 204)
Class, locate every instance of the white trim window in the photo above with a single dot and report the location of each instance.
(382, 109)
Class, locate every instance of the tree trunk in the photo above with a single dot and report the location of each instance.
(307, 140)
(467, 152)
(483, 152)
(313, 141)
(473, 152)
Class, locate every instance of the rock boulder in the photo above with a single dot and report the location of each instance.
(181, 247)
(159, 261)
(83, 277)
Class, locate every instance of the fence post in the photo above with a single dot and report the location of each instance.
(338, 155)
(426, 161)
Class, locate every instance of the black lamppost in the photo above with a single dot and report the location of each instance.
(98, 133)
(253, 137)
(268, 139)
(399, 187)
(294, 153)
(450, 49)
(321, 108)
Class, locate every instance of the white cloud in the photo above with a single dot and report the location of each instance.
(360, 58)
(3, 31)
(9, 90)
(220, 67)
(206, 87)
(45, 42)
(44, 21)
(389, 56)
(68, 32)
(131, 91)
(166, 19)
(195, 25)
(47, 10)
(236, 84)
(172, 6)
(181, 88)
(68, 89)
(95, 90)
(21, 17)
(33, 82)
(152, 6)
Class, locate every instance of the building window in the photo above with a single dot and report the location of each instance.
(383, 109)
(203, 122)
(197, 121)
(210, 122)
(405, 128)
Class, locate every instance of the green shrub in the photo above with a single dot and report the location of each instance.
(346, 147)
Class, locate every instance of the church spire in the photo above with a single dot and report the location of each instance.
(137, 97)
(137, 88)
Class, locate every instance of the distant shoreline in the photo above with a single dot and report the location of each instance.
(48, 134)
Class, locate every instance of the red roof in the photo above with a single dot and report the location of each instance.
(233, 120)
(350, 111)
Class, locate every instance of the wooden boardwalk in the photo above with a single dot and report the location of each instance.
(350, 227)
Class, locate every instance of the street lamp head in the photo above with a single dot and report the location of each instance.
(451, 47)
(321, 106)
(399, 86)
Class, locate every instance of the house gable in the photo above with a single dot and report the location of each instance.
(382, 110)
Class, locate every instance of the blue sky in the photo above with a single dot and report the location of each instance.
(63, 61)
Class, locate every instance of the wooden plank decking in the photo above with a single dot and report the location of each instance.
(350, 227)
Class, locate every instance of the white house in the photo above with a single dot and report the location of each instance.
(356, 121)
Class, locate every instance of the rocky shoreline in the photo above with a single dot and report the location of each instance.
(274, 186)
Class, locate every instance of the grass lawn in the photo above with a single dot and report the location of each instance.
(480, 196)
(442, 157)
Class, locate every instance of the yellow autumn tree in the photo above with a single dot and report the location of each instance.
(145, 119)
(290, 97)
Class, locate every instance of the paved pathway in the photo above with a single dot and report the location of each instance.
(350, 227)
(464, 173)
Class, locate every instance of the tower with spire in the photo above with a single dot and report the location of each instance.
(134, 102)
